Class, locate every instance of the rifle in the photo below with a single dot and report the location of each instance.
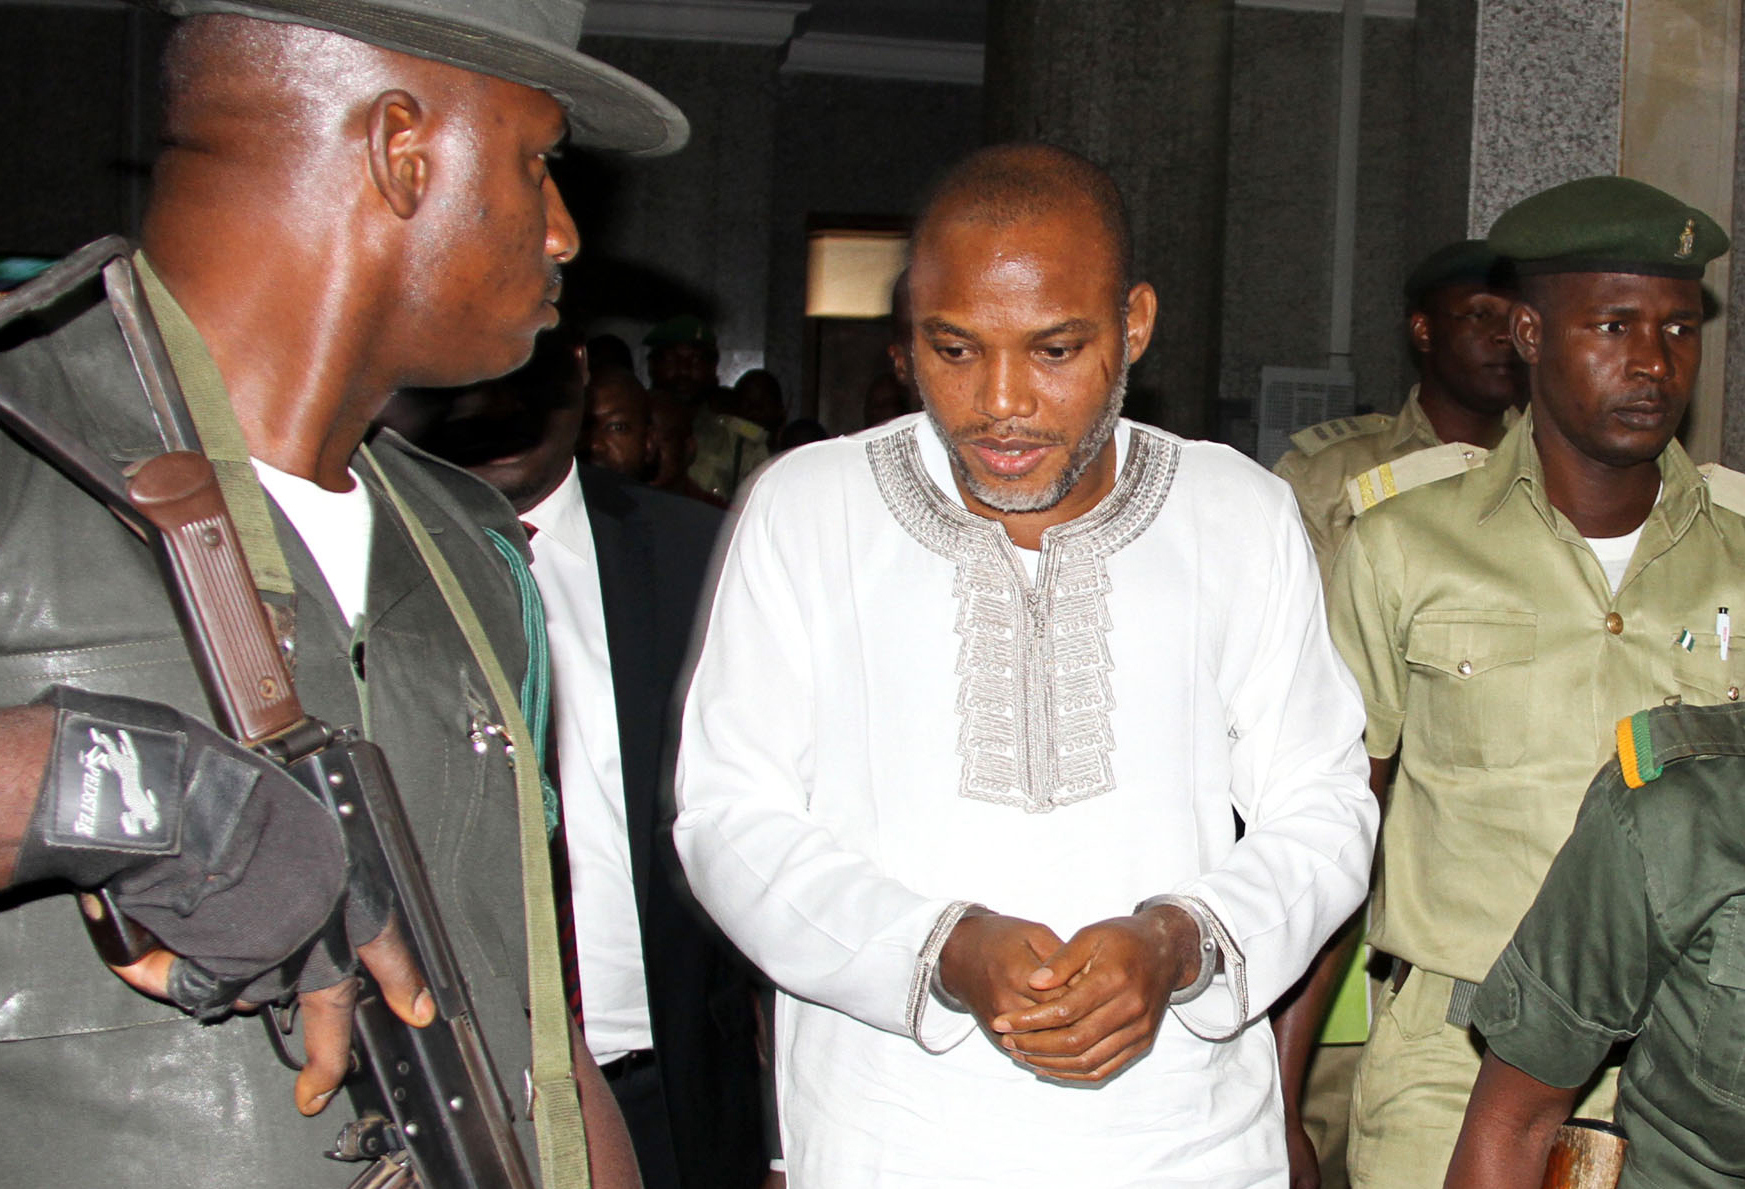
(1587, 1154)
(429, 1105)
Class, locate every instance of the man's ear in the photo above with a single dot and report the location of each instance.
(1418, 331)
(398, 150)
(900, 359)
(1525, 327)
(1141, 317)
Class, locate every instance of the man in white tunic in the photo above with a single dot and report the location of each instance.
(1017, 652)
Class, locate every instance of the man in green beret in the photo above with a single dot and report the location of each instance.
(682, 360)
(1501, 620)
(1469, 383)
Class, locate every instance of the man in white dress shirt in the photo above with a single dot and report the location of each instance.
(666, 1006)
(1018, 653)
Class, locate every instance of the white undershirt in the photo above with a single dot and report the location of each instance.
(334, 525)
(591, 776)
(1615, 552)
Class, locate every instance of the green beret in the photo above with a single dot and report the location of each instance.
(1608, 224)
(686, 328)
(1453, 264)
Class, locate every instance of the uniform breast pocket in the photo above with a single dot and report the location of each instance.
(1703, 678)
(1720, 1047)
(1472, 684)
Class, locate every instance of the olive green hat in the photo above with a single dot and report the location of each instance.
(1452, 264)
(532, 42)
(1608, 224)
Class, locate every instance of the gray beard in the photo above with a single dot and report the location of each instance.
(1002, 498)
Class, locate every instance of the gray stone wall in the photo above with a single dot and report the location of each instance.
(1143, 88)
(1548, 98)
(1733, 418)
(1278, 256)
(687, 233)
(1443, 55)
(850, 146)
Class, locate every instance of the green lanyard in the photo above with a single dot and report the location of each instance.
(536, 683)
(557, 1109)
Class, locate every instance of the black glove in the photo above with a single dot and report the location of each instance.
(216, 850)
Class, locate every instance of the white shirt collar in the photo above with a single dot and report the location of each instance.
(563, 516)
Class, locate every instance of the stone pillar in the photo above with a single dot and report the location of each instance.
(1644, 88)
(1143, 88)
(1444, 38)
(1547, 99)
(1733, 419)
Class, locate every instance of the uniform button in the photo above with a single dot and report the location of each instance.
(1732, 693)
(1614, 623)
(1464, 668)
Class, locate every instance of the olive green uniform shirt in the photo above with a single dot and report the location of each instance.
(1318, 473)
(1495, 659)
(1639, 932)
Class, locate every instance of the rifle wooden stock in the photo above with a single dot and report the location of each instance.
(246, 679)
(1587, 1154)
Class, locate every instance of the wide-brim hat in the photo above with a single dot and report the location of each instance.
(525, 41)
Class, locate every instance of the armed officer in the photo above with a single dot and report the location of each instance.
(352, 197)
(1470, 382)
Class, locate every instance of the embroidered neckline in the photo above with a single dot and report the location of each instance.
(1034, 698)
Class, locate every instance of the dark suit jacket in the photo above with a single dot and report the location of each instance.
(654, 553)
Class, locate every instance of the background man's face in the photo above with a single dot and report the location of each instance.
(494, 232)
(1462, 334)
(687, 370)
(618, 425)
(1614, 356)
(1020, 354)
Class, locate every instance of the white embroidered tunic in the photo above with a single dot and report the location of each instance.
(892, 712)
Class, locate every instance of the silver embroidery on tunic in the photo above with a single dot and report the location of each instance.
(1034, 697)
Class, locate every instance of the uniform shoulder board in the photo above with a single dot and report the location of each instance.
(1726, 487)
(1636, 749)
(1373, 486)
(1317, 438)
(1650, 740)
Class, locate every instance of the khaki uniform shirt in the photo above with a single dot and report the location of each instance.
(729, 448)
(1639, 932)
(1495, 659)
(1318, 472)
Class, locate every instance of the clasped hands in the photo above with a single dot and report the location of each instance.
(1073, 1011)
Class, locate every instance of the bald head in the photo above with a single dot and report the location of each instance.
(1006, 184)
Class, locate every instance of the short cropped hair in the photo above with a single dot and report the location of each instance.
(1007, 183)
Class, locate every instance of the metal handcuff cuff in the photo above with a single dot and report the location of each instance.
(1207, 946)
